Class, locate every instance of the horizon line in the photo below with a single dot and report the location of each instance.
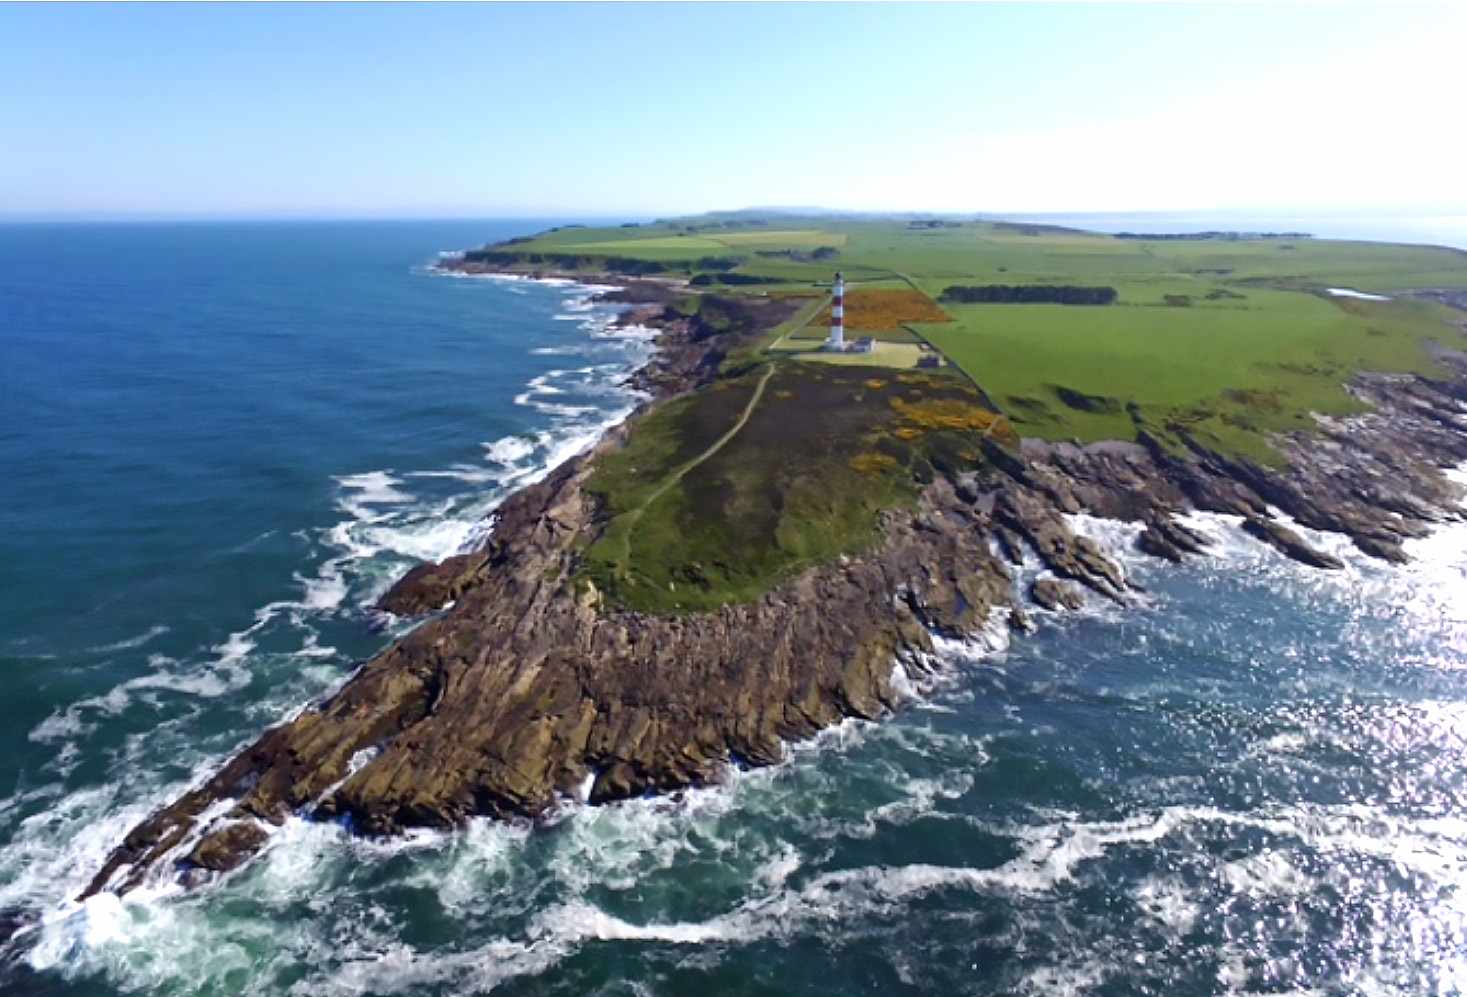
(123, 218)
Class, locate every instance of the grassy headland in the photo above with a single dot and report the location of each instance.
(721, 494)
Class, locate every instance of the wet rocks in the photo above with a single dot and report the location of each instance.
(1053, 594)
(1170, 540)
(430, 586)
(1374, 477)
(1067, 555)
(1382, 549)
(1009, 543)
(1289, 543)
(227, 847)
(1020, 621)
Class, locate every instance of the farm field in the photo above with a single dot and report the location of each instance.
(1225, 340)
(1227, 376)
(631, 247)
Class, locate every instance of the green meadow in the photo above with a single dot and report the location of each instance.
(1225, 375)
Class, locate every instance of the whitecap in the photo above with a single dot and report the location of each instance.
(376, 487)
(129, 643)
(509, 450)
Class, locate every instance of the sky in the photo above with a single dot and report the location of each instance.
(625, 110)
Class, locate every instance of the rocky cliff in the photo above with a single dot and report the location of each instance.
(528, 688)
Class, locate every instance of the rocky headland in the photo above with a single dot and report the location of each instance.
(524, 686)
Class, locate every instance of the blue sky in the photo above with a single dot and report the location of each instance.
(427, 110)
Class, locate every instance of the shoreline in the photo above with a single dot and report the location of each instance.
(966, 585)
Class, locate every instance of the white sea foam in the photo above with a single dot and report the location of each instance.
(471, 474)
(1076, 979)
(224, 675)
(363, 491)
(1349, 292)
(52, 854)
(951, 655)
(61, 725)
(421, 540)
(324, 592)
(1170, 901)
(1116, 537)
(1050, 858)
(219, 680)
(128, 644)
(787, 891)
(775, 872)
(509, 450)
(375, 487)
(311, 647)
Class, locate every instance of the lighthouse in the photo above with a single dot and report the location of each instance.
(837, 341)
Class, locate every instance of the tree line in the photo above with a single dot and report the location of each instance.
(1028, 294)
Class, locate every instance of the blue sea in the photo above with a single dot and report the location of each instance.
(220, 442)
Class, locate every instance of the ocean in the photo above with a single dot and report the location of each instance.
(220, 442)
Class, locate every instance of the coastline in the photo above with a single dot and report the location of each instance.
(950, 540)
(397, 514)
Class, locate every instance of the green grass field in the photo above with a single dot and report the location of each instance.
(680, 244)
(1226, 340)
(1226, 375)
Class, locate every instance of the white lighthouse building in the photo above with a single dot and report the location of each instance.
(837, 341)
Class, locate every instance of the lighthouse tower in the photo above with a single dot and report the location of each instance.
(837, 341)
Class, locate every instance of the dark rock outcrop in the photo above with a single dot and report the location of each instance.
(1053, 594)
(430, 586)
(1067, 555)
(1170, 540)
(1289, 542)
(1020, 620)
(225, 848)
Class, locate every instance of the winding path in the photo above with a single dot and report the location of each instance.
(636, 514)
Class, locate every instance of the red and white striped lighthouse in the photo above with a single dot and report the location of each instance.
(837, 340)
